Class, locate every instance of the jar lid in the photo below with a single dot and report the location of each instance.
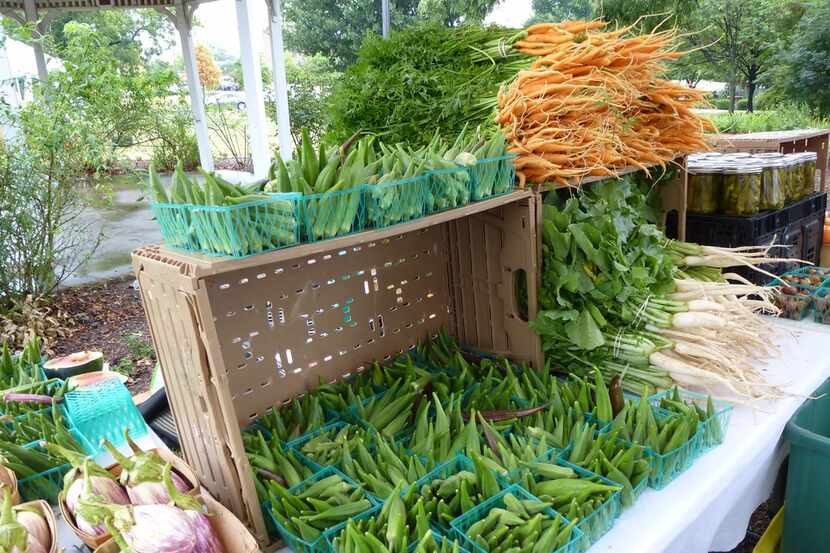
(743, 169)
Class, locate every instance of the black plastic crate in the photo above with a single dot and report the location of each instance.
(798, 226)
(816, 203)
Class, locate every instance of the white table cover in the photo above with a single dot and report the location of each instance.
(707, 508)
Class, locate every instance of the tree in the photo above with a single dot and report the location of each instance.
(560, 10)
(104, 104)
(336, 28)
(741, 39)
(209, 72)
(804, 71)
(647, 13)
(132, 36)
(455, 12)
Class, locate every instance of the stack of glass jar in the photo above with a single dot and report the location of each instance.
(744, 184)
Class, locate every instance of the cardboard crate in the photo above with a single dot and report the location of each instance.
(786, 142)
(236, 337)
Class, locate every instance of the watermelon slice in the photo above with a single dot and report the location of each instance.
(74, 363)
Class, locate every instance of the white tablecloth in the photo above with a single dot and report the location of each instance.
(707, 508)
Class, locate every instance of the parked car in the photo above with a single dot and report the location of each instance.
(233, 97)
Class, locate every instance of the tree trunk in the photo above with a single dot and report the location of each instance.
(751, 85)
(733, 91)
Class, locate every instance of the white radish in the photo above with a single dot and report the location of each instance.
(705, 305)
(697, 319)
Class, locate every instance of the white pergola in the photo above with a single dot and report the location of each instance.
(180, 13)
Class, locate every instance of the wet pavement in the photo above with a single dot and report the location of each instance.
(127, 223)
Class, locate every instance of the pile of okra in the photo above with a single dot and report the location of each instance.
(415, 444)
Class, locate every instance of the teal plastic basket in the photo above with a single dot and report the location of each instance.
(821, 314)
(441, 472)
(48, 484)
(492, 176)
(314, 462)
(331, 214)
(177, 226)
(232, 230)
(712, 430)
(595, 525)
(45, 485)
(447, 189)
(602, 519)
(102, 411)
(319, 545)
(463, 523)
(665, 467)
(394, 202)
(331, 535)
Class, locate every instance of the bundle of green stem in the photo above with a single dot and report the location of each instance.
(616, 294)
(222, 217)
(425, 78)
(25, 369)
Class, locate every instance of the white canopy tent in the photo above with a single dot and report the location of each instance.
(180, 12)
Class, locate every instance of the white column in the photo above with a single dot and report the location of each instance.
(40, 59)
(280, 80)
(8, 89)
(385, 17)
(252, 77)
(197, 103)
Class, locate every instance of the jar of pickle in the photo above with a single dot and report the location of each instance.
(704, 187)
(772, 191)
(741, 189)
(808, 173)
(792, 188)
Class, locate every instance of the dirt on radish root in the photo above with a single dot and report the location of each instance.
(109, 317)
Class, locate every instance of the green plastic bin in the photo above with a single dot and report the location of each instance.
(808, 478)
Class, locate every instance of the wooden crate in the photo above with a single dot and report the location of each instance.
(236, 337)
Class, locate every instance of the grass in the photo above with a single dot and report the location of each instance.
(783, 118)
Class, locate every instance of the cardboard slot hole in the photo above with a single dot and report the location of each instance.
(248, 307)
(236, 340)
(315, 285)
(241, 366)
(260, 358)
(300, 291)
(260, 276)
(247, 355)
(246, 344)
(296, 266)
(312, 364)
(331, 281)
(327, 358)
(387, 357)
(342, 252)
(230, 314)
(311, 261)
(253, 334)
(224, 286)
(372, 325)
(520, 293)
(327, 257)
(288, 357)
(243, 281)
(278, 271)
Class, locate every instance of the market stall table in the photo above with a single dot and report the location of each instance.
(707, 508)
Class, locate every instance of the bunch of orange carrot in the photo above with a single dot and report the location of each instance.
(592, 102)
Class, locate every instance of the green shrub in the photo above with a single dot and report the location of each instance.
(742, 104)
(721, 103)
(175, 139)
(785, 117)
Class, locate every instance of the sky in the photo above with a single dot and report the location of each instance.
(217, 28)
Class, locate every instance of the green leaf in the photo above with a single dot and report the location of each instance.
(584, 332)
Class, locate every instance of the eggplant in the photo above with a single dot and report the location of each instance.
(22, 532)
(142, 474)
(88, 479)
(178, 527)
